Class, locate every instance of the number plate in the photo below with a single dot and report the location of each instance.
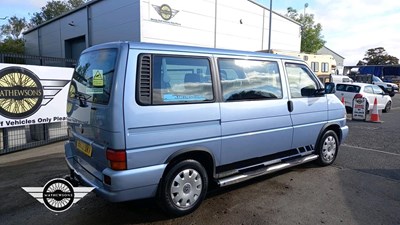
(83, 147)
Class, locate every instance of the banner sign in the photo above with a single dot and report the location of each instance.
(33, 94)
(359, 108)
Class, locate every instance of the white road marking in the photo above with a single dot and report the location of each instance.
(369, 149)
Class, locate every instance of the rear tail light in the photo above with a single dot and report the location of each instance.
(358, 96)
(117, 159)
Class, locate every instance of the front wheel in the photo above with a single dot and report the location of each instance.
(184, 188)
(327, 148)
(387, 107)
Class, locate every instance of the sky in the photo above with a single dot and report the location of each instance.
(350, 27)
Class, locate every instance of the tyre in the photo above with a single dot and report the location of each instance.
(388, 107)
(183, 188)
(327, 148)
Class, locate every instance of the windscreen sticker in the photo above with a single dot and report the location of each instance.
(177, 98)
(98, 80)
(91, 91)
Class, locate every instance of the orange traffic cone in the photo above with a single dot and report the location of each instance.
(343, 101)
(375, 113)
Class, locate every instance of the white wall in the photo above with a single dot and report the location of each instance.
(192, 25)
(239, 25)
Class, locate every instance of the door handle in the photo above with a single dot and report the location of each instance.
(290, 106)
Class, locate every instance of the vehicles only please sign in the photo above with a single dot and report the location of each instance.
(33, 94)
(359, 108)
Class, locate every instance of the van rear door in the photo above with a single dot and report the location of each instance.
(93, 108)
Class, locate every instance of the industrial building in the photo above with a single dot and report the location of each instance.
(230, 24)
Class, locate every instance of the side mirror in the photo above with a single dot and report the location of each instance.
(330, 88)
(311, 91)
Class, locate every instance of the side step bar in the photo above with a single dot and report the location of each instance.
(266, 170)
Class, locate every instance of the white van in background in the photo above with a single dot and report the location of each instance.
(340, 79)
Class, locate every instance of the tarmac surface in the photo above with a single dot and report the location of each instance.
(361, 187)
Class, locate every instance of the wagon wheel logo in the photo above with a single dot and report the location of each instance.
(21, 92)
(58, 195)
(165, 11)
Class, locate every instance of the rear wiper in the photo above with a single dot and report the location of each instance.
(82, 97)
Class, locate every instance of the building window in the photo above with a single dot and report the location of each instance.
(325, 67)
(315, 66)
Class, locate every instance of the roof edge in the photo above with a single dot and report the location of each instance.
(61, 16)
(278, 14)
(334, 52)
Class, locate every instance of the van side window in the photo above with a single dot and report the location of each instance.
(181, 80)
(299, 77)
(249, 79)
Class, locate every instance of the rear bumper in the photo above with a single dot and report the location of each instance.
(125, 185)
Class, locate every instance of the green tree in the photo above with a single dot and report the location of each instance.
(378, 56)
(14, 28)
(311, 37)
(53, 9)
(10, 45)
(11, 35)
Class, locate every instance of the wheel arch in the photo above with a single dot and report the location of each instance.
(203, 155)
(330, 126)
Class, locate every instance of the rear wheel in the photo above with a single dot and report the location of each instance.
(184, 188)
(327, 148)
(388, 107)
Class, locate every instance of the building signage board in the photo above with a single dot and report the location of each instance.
(164, 11)
(359, 108)
(33, 94)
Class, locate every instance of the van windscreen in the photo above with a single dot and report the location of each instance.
(93, 75)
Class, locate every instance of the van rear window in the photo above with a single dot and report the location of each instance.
(93, 76)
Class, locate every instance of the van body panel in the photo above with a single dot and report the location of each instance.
(127, 185)
(248, 133)
(242, 110)
(89, 120)
(309, 116)
(155, 132)
(310, 113)
(335, 110)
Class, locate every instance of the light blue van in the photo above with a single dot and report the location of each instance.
(149, 120)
